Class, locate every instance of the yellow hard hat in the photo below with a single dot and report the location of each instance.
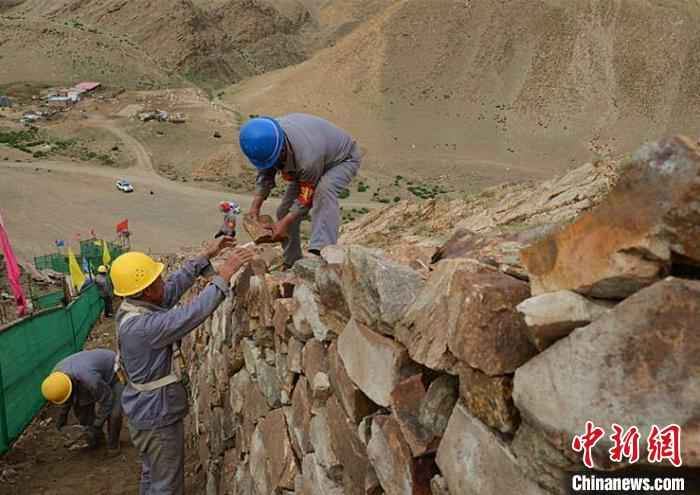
(102, 269)
(132, 272)
(57, 387)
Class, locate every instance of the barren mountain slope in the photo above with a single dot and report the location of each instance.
(209, 41)
(47, 52)
(499, 90)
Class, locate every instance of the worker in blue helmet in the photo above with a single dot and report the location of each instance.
(318, 159)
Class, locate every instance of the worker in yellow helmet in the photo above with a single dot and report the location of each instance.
(86, 383)
(149, 329)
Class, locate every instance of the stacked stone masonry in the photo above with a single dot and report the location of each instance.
(361, 373)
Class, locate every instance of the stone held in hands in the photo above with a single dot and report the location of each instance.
(257, 230)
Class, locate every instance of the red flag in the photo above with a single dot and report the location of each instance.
(13, 273)
(123, 225)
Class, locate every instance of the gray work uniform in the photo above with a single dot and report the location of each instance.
(104, 287)
(146, 341)
(323, 162)
(94, 384)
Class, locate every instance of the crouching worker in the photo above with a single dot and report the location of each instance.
(86, 383)
(318, 159)
(149, 330)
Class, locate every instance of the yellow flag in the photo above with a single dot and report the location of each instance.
(76, 275)
(106, 258)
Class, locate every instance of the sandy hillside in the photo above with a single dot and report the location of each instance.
(488, 91)
(42, 52)
(210, 42)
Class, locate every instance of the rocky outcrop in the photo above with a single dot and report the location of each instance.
(630, 240)
(366, 374)
(638, 364)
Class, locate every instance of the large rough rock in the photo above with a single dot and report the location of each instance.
(333, 254)
(324, 448)
(489, 398)
(282, 466)
(355, 403)
(316, 480)
(467, 311)
(638, 365)
(377, 290)
(314, 359)
(398, 472)
(306, 319)
(628, 242)
(300, 419)
(247, 403)
(406, 400)
(295, 349)
(334, 308)
(541, 461)
(436, 407)
(554, 315)
(425, 327)
(282, 319)
(306, 268)
(423, 413)
(349, 450)
(490, 334)
(474, 461)
(270, 384)
(373, 362)
(260, 299)
(258, 462)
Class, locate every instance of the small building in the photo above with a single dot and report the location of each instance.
(87, 87)
(63, 100)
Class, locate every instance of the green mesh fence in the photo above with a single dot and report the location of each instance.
(29, 349)
(55, 261)
(48, 300)
(88, 250)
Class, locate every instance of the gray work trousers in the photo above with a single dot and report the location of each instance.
(325, 212)
(163, 455)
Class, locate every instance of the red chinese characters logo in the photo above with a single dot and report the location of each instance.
(665, 445)
(662, 444)
(585, 443)
(626, 444)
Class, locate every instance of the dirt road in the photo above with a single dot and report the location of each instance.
(47, 200)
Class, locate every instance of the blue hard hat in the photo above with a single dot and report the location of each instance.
(262, 141)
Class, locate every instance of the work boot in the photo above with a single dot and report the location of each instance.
(95, 437)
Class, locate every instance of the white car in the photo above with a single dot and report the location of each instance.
(124, 186)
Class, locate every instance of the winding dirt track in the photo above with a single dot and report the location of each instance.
(45, 200)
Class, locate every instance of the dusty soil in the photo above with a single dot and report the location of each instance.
(492, 91)
(39, 464)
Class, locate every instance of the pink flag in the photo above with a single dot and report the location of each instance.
(12, 270)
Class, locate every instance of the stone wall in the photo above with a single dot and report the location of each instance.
(360, 374)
